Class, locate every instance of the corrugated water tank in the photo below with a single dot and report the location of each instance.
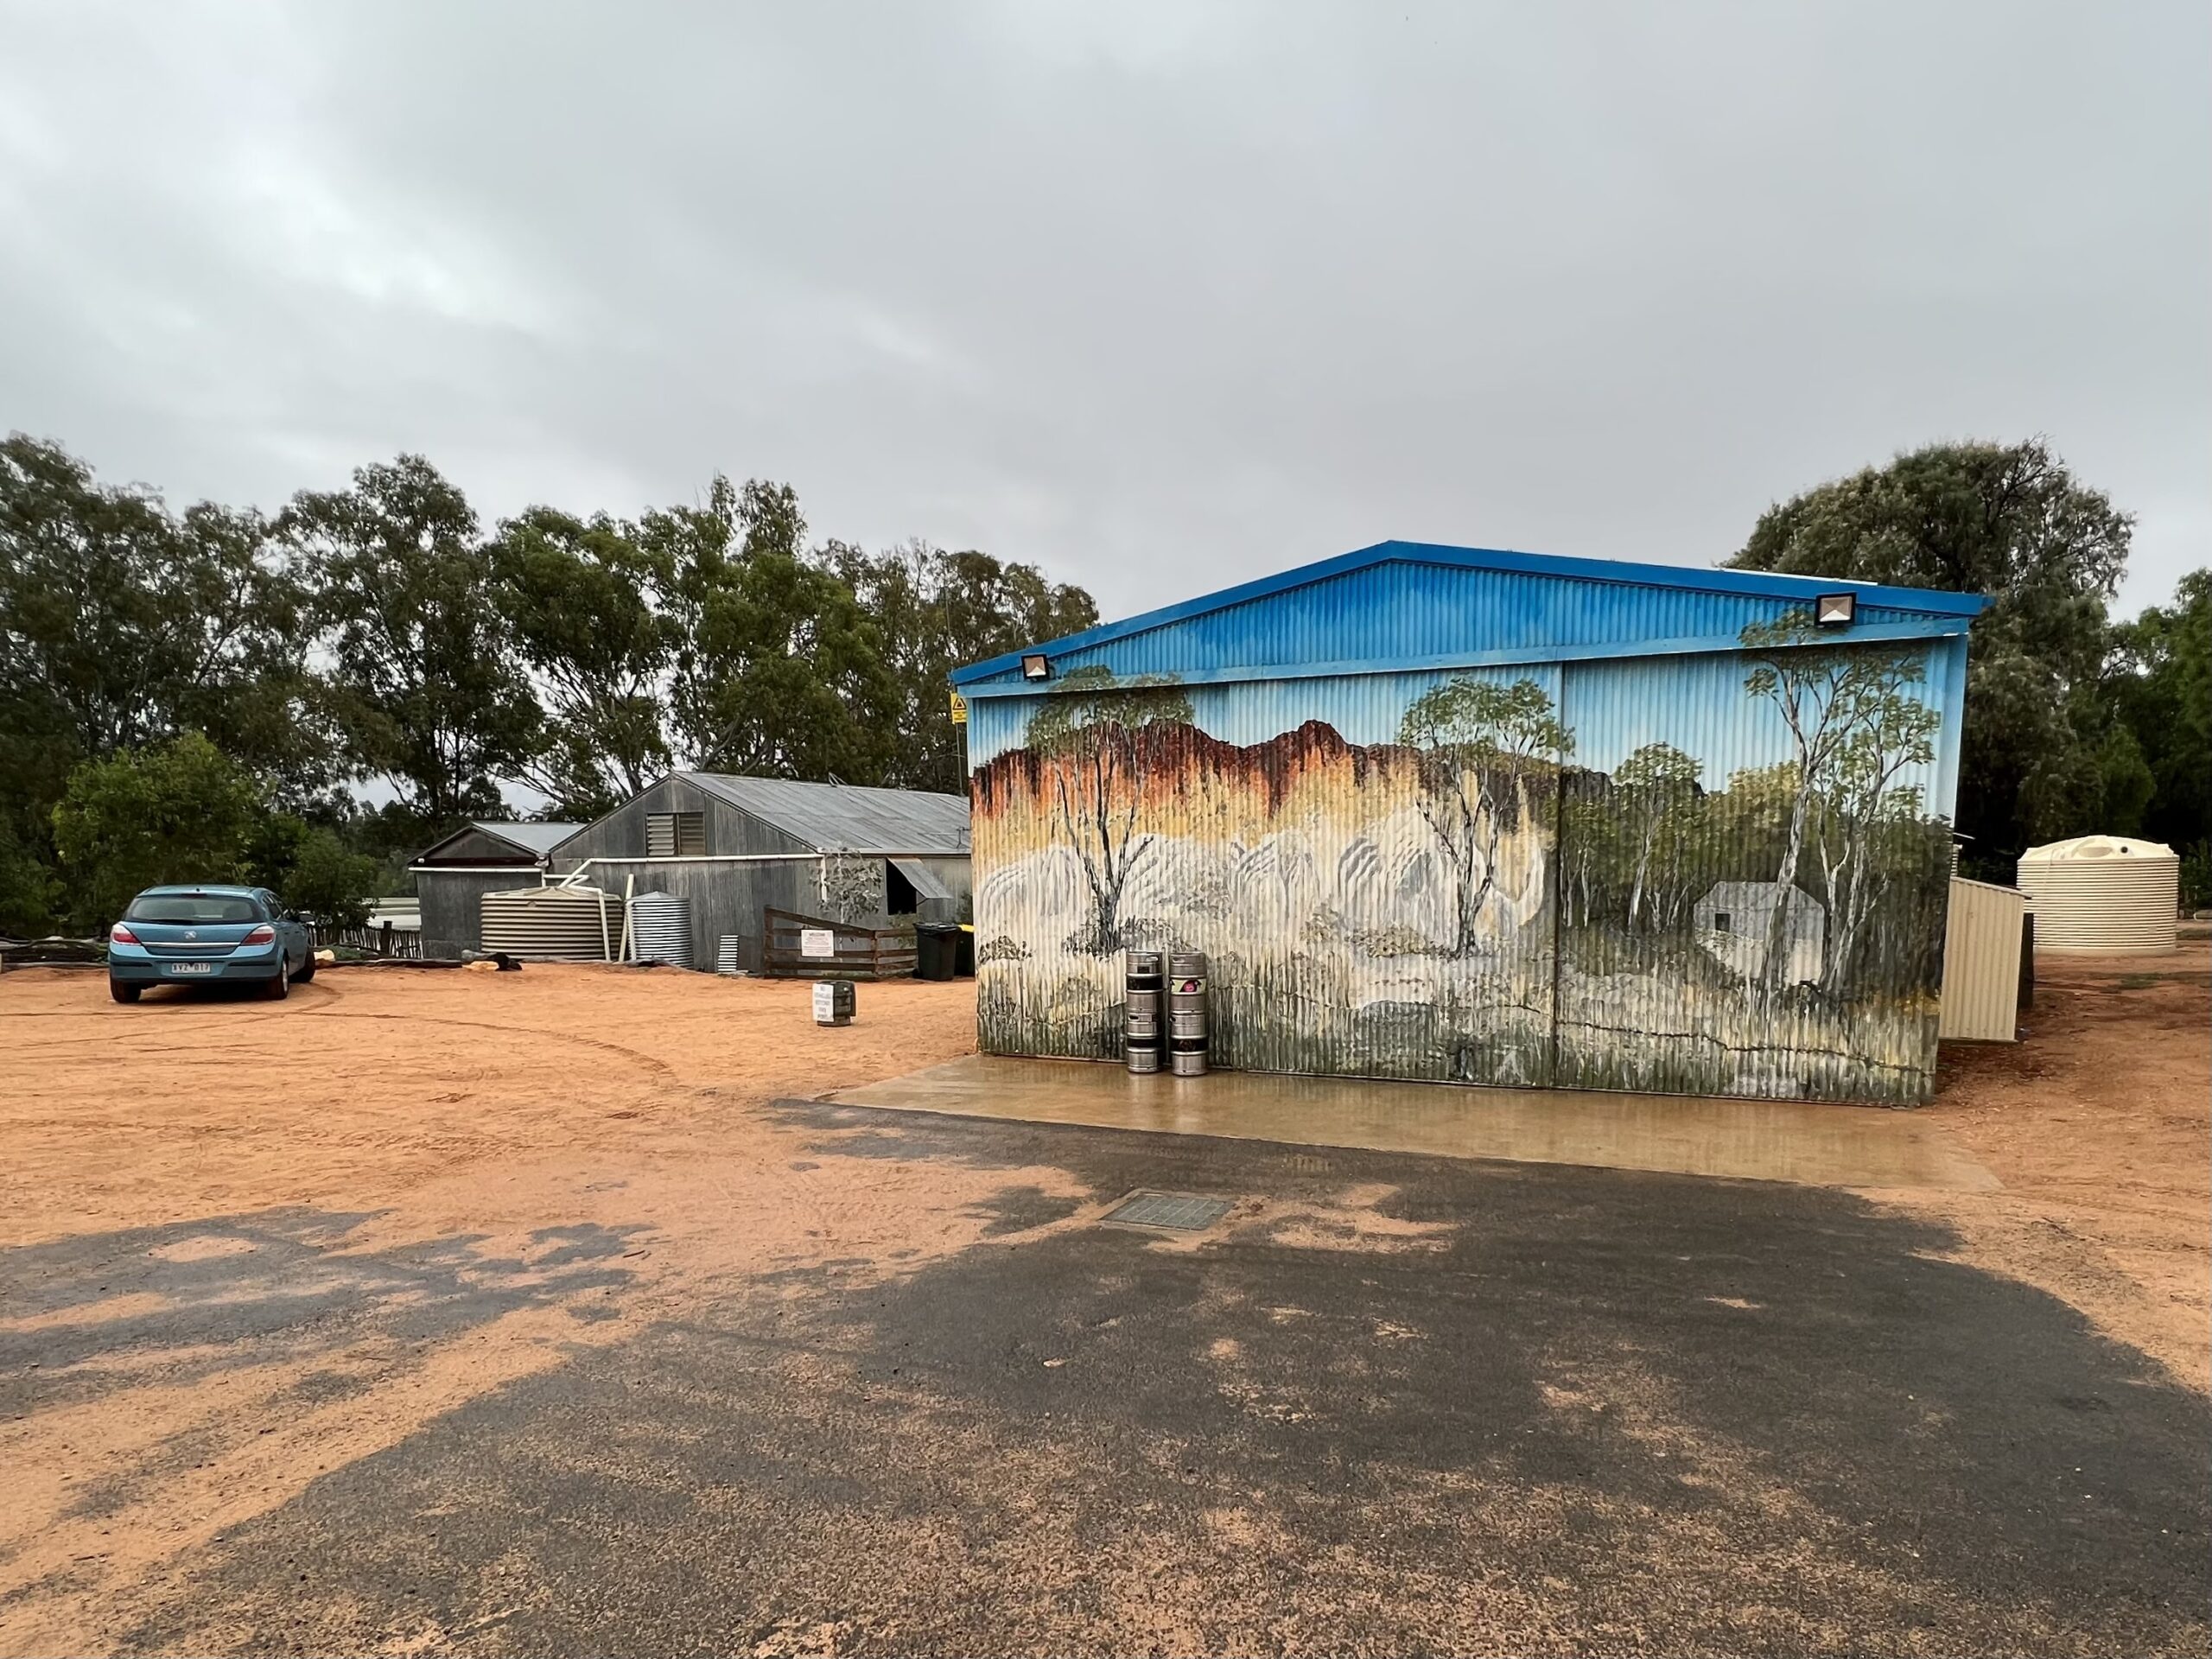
(2103, 893)
(553, 924)
(660, 929)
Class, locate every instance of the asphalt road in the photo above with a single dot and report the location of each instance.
(1559, 1409)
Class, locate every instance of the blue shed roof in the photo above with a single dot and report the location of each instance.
(1410, 605)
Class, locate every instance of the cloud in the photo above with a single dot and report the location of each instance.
(1160, 296)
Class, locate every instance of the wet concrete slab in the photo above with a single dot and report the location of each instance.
(1809, 1143)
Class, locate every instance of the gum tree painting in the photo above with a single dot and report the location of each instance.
(1094, 737)
(1847, 708)
(1476, 740)
(1866, 814)
(851, 886)
(1658, 787)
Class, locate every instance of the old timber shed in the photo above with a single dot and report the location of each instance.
(484, 856)
(1457, 815)
(736, 846)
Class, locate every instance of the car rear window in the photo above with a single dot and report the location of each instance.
(215, 907)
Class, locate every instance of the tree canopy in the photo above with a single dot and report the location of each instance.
(429, 692)
(180, 810)
(936, 611)
(580, 600)
(779, 671)
(2043, 755)
(379, 638)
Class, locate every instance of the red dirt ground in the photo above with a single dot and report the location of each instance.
(2099, 1125)
(472, 1109)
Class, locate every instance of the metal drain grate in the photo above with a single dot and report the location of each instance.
(1173, 1212)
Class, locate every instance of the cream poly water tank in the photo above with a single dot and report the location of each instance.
(2103, 893)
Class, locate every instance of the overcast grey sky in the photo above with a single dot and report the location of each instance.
(1160, 297)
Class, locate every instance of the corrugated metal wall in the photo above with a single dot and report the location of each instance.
(1699, 956)
(1982, 962)
(1367, 913)
(1657, 905)
(452, 906)
(726, 897)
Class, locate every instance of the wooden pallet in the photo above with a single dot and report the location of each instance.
(857, 952)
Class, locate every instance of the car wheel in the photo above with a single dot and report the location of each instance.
(307, 967)
(123, 993)
(280, 986)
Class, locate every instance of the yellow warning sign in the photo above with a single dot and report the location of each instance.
(959, 710)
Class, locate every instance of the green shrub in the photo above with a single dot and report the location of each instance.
(179, 811)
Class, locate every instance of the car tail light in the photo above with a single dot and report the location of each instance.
(263, 935)
(121, 934)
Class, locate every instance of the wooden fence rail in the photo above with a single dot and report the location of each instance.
(856, 953)
(384, 940)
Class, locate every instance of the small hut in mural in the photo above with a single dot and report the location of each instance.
(1739, 923)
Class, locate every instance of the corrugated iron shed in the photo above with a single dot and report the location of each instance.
(539, 838)
(832, 817)
(1459, 814)
(496, 840)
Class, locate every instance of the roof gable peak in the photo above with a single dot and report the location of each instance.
(1707, 579)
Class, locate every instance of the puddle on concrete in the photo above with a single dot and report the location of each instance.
(1809, 1143)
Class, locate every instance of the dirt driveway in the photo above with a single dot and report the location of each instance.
(540, 1313)
(2100, 1126)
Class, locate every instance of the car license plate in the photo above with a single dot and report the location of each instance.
(192, 967)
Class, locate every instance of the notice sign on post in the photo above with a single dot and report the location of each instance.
(818, 941)
(959, 710)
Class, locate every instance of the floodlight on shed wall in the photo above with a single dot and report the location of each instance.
(1835, 610)
(1036, 665)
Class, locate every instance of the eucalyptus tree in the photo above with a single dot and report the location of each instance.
(426, 683)
(1474, 741)
(777, 670)
(580, 600)
(2009, 521)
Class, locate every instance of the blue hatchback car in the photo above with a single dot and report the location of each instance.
(207, 936)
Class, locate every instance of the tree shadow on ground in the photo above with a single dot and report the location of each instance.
(87, 1313)
(1419, 1404)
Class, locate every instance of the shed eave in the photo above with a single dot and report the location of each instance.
(475, 869)
(1706, 644)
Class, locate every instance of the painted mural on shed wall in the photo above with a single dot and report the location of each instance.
(1723, 874)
